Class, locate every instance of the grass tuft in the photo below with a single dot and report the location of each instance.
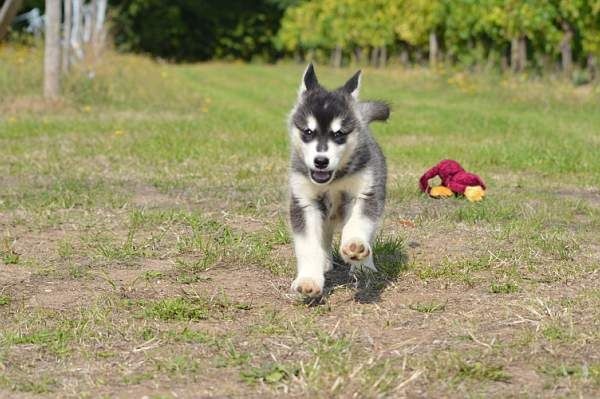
(504, 288)
(177, 309)
(427, 307)
(481, 372)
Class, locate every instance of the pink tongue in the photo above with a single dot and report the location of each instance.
(321, 175)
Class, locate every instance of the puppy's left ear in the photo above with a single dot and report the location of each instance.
(309, 80)
(352, 86)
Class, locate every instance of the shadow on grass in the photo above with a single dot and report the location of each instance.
(391, 259)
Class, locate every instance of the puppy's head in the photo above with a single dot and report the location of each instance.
(324, 125)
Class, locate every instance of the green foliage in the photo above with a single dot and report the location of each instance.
(188, 30)
(467, 31)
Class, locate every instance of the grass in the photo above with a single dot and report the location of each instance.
(427, 307)
(481, 372)
(145, 244)
(504, 288)
(4, 300)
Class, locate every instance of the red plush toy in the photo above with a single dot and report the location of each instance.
(455, 180)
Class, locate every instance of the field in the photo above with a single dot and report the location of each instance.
(144, 247)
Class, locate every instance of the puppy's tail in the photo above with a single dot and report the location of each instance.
(374, 111)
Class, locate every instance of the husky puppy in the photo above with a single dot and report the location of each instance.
(337, 178)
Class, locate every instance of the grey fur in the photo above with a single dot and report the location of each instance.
(374, 111)
(360, 159)
(298, 165)
(345, 201)
(323, 203)
(374, 196)
(297, 216)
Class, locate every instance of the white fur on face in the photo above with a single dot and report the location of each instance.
(338, 154)
(334, 153)
(311, 123)
(336, 124)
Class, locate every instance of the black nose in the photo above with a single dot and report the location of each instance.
(321, 162)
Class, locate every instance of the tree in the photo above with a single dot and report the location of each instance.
(419, 23)
(194, 30)
(68, 16)
(529, 20)
(7, 14)
(529, 33)
(52, 50)
(591, 34)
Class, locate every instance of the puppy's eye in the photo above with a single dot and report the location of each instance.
(307, 132)
(338, 134)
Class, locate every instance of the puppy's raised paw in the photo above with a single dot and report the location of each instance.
(307, 286)
(355, 250)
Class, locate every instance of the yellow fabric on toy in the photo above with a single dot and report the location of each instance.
(440, 192)
(474, 193)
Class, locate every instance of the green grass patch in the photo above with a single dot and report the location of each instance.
(5, 300)
(272, 373)
(39, 385)
(7, 253)
(177, 365)
(557, 333)
(427, 307)
(56, 340)
(177, 309)
(584, 372)
(461, 271)
(189, 308)
(479, 371)
(504, 288)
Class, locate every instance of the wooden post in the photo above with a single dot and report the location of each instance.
(518, 53)
(433, 50)
(52, 50)
(99, 33)
(566, 49)
(358, 55)
(76, 30)
(336, 57)
(404, 57)
(374, 56)
(383, 56)
(522, 53)
(68, 17)
(592, 66)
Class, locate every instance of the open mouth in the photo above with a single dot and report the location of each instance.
(320, 176)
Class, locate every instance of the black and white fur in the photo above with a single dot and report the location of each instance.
(337, 178)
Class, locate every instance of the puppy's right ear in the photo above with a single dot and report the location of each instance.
(309, 80)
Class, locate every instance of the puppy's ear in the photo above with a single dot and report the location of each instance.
(309, 80)
(352, 86)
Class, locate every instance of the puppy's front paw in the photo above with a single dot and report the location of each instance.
(308, 286)
(355, 250)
